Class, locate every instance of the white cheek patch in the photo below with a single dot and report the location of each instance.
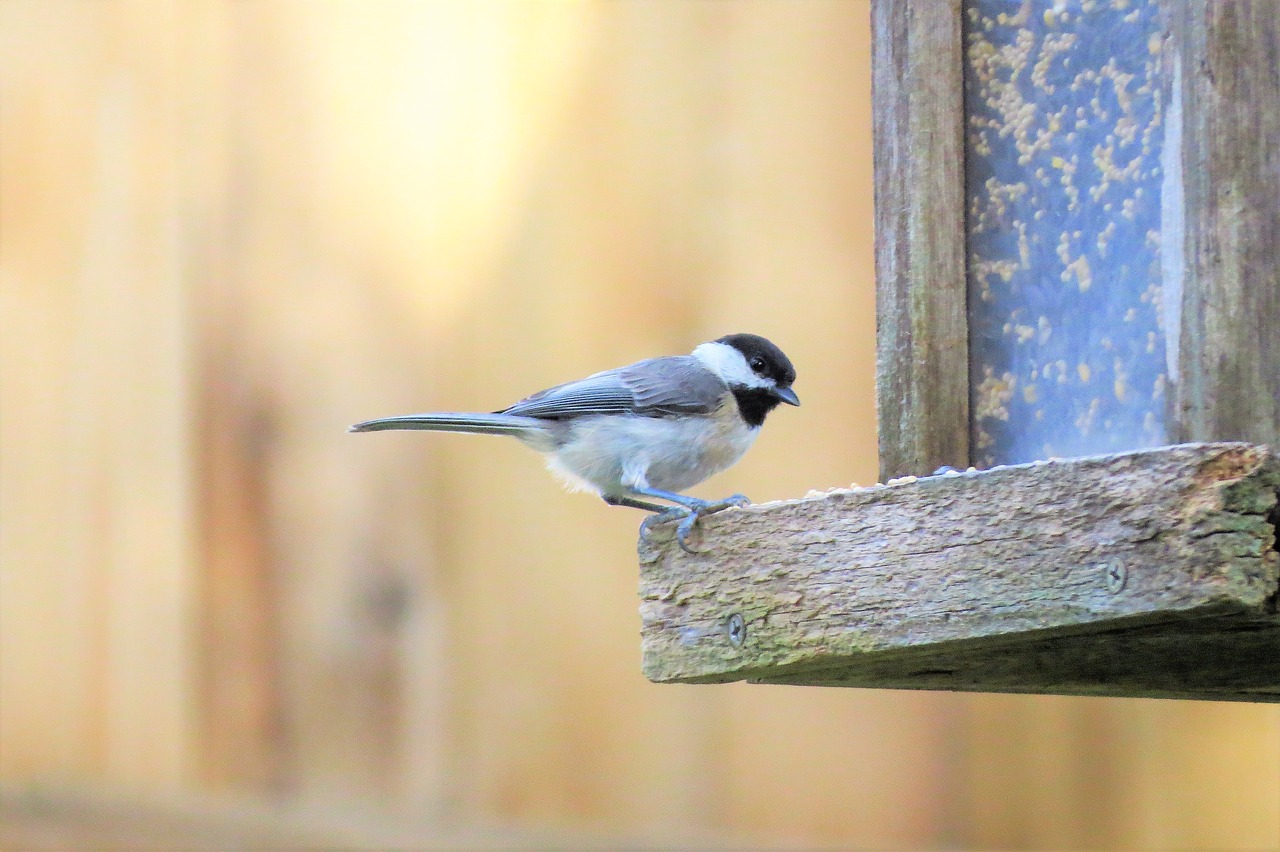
(728, 363)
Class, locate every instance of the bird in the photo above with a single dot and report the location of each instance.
(646, 431)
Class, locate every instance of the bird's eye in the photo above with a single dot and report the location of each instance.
(757, 364)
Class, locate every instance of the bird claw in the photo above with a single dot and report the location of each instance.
(686, 527)
(689, 518)
(671, 514)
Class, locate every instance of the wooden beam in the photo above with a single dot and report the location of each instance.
(1151, 573)
(1224, 239)
(922, 337)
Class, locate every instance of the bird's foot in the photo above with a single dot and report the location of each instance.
(671, 513)
(688, 516)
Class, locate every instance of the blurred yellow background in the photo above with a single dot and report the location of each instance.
(229, 229)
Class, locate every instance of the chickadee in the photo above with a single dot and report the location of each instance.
(649, 430)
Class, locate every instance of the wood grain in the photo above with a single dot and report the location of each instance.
(922, 372)
(1226, 57)
(1131, 574)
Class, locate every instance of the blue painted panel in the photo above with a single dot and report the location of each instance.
(1063, 183)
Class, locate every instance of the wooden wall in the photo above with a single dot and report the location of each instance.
(228, 229)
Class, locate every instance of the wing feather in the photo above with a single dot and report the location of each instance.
(669, 386)
(675, 385)
(602, 393)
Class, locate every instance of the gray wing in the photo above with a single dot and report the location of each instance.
(670, 386)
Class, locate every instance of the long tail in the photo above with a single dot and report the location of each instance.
(450, 421)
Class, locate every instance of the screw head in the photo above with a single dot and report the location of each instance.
(737, 630)
(1116, 575)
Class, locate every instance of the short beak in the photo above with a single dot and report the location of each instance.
(787, 395)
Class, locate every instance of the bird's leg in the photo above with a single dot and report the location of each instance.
(632, 503)
(688, 509)
(661, 514)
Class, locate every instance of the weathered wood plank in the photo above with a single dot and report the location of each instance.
(1145, 573)
(922, 373)
(1225, 106)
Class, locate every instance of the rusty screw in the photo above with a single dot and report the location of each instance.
(737, 630)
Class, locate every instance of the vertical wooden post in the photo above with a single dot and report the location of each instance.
(1226, 101)
(922, 343)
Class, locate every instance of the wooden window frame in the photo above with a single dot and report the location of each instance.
(1225, 223)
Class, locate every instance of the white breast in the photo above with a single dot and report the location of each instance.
(609, 454)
